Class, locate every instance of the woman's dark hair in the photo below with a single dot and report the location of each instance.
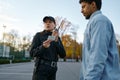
(98, 2)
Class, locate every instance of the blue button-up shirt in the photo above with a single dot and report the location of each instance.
(100, 58)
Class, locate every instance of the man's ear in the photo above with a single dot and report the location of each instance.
(93, 4)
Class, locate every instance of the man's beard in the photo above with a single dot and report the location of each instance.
(87, 17)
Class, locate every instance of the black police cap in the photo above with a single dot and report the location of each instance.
(48, 18)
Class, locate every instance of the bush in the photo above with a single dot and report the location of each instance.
(4, 61)
(19, 60)
(7, 61)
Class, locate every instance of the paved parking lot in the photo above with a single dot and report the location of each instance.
(23, 71)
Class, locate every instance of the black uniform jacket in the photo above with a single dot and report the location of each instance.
(51, 54)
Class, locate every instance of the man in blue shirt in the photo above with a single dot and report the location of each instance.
(100, 58)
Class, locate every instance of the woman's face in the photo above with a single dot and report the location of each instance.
(49, 25)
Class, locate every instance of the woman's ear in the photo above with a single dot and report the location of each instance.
(55, 26)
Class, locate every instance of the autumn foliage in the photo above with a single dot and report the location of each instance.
(73, 48)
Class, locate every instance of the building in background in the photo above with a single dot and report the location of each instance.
(4, 51)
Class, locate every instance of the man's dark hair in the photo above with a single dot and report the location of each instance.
(98, 2)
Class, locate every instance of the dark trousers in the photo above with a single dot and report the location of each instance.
(44, 72)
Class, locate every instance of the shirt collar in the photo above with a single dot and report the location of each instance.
(95, 13)
(47, 32)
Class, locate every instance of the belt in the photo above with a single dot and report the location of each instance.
(50, 63)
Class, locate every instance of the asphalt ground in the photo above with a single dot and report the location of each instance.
(24, 71)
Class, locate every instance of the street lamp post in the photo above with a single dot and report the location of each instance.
(74, 47)
(4, 54)
(74, 32)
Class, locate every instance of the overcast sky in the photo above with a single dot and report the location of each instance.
(26, 16)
